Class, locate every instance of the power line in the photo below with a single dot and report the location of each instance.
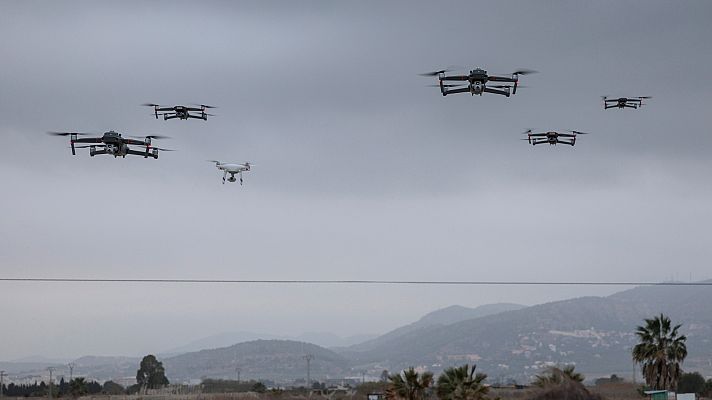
(49, 393)
(2, 375)
(351, 282)
(71, 366)
(309, 357)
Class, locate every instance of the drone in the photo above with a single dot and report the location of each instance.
(623, 102)
(477, 82)
(181, 112)
(113, 143)
(232, 169)
(552, 137)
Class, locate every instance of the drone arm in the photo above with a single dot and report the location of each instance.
(195, 116)
(460, 90)
(570, 143)
(496, 91)
(501, 79)
(87, 140)
(169, 116)
(455, 78)
(144, 154)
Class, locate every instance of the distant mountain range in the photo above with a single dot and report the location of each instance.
(324, 339)
(441, 317)
(504, 340)
(595, 333)
(277, 360)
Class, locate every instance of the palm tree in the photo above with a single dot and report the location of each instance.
(408, 385)
(660, 352)
(557, 376)
(461, 383)
(77, 387)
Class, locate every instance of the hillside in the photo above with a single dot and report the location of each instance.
(595, 333)
(443, 316)
(278, 360)
(225, 339)
(504, 340)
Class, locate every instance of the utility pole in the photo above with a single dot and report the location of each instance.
(238, 370)
(309, 357)
(2, 375)
(50, 369)
(71, 366)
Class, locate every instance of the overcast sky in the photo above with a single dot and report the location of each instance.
(361, 170)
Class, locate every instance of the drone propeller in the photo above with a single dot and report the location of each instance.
(435, 73)
(524, 72)
(162, 149)
(69, 133)
(150, 105)
(578, 133)
(203, 105)
(527, 132)
(645, 97)
(151, 137)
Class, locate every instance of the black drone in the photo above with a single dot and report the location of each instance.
(181, 112)
(624, 102)
(113, 143)
(477, 82)
(552, 137)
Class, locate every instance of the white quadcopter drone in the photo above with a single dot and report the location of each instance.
(232, 169)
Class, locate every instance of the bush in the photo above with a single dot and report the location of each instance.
(691, 382)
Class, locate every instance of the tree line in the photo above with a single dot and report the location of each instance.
(150, 375)
(660, 351)
(74, 388)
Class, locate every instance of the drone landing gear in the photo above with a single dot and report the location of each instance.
(240, 178)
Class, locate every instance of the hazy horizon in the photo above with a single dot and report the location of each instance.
(361, 170)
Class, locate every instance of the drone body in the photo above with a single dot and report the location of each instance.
(112, 143)
(476, 82)
(552, 137)
(232, 169)
(624, 102)
(180, 112)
